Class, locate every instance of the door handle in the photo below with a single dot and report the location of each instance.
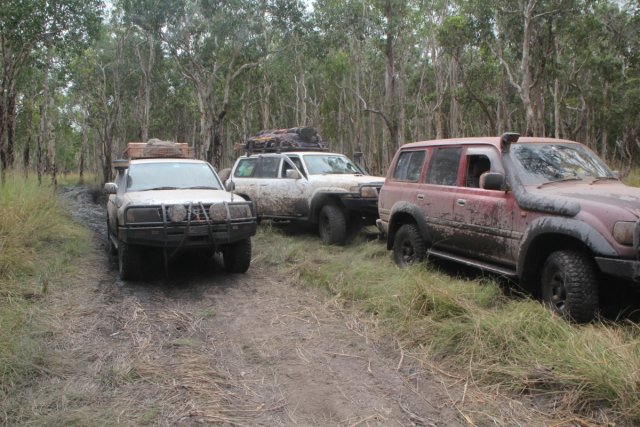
(420, 196)
(461, 202)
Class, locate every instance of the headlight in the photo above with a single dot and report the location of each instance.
(368, 192)
(623, 232)
(218, 212)
(240, 211)
(177, 213)
(143, 215)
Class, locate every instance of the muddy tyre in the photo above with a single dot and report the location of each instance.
(569, 285)
(111, 248)
(408, 246)
(332, 225)
(237, 256)
(129, 261)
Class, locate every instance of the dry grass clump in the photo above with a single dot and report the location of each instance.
(37, 243)
(502, 341)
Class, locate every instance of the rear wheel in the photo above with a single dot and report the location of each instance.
(237, 256)
(408, 246)
(569, 285)
(129, 261)
(332, 225)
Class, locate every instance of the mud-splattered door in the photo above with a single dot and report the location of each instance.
(283, 195)
(485, 217)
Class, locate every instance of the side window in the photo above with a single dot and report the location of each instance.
(477, 164)
(409, 166)
(443, 167)
(298, 162)
(245, 167)
(267, 167)
(286, 165)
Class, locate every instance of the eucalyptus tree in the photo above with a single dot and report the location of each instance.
(32, 29)
(212, 43)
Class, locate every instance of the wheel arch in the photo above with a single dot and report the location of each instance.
(321, 199)
(548, 235)
(406, 213)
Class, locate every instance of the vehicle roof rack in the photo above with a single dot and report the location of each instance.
(158, 149)
(283, 140)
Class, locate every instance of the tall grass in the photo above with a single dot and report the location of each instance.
(633, 178)
(38, 241)
(506, 341)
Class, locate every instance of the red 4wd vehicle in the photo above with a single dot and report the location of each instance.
(546, 211)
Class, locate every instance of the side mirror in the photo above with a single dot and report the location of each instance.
(110, 188)
(230, 186)
(492, 181)
(292, 174)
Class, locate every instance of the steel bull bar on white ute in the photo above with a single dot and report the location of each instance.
(197, 229)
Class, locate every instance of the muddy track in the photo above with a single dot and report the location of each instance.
(206, 347)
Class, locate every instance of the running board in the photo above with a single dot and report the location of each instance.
(503, 271)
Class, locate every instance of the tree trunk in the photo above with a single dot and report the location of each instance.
(146, 66)
(83, 146)
(43, 128)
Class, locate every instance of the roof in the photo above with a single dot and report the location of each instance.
(490, 140)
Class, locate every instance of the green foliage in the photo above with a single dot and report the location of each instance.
(38, 243)
(506, 341)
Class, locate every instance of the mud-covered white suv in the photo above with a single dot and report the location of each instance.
(321, 188)
(174, 204)
(548, 212)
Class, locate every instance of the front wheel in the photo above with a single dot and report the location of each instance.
(408, 246)
(569, 285)
(129, 261)
(237, 256)
(332, 225)
(111, 248)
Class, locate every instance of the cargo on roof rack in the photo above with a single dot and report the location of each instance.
(281, 140)
(157, 148)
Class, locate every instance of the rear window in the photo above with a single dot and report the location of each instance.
(245, 168)
(443, 168)
(409, 166)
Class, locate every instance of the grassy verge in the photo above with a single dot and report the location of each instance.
(38, 242)
(501, 341)
(633, 178)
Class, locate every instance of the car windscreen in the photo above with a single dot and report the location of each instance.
(541, 163)
(169, 176)
(322, 164)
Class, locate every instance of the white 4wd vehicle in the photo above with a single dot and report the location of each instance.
(324, 189)
(175, 204)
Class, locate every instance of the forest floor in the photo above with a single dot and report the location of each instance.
(205, 347)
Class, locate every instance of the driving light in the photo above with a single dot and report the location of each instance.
(218, 212)
(177, 213)
(623, 232)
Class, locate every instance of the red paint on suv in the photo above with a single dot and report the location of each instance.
(545, 211)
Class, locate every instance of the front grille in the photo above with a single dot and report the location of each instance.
(197, 213)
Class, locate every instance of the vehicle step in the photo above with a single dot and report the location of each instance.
(503, 271)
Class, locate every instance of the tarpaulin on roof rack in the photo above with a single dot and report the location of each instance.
(278, 140)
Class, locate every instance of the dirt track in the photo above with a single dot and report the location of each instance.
(203, 346)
